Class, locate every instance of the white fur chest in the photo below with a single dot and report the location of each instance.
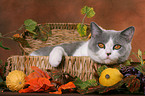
(82, 50)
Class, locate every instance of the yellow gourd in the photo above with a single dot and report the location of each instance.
(110, 77)
(15, 80)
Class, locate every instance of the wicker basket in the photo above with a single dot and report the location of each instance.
(61, 33)
(82, 67)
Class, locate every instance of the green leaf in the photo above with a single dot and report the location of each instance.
(89, 11)
(100, 69)
(127, 62)
(83, 86)
(3, 46)
(139, 53)
(86, 84)
(30, 25)
(140, 56)
(82, 29)
(141, 68)
(78, 82)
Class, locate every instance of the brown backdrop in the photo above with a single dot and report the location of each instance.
(110, 14)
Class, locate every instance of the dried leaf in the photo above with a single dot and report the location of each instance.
(55, 74)
(132, 83)
(37, 74)
(27, 90)
(100, 88)
(37, 85)
(69, 85)
(63, 77)
(39, 71)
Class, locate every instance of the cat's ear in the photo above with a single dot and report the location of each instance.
(128, 33)
(95, 29)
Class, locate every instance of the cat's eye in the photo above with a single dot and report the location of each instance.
(117, 46)
(101, 45)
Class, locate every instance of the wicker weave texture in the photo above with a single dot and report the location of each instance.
(61, 33)
(81, 67)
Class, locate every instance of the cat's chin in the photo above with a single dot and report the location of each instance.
(106, 61)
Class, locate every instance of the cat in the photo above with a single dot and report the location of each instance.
(105, 47)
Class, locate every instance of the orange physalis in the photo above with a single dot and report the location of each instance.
(69, 85)
(38, 81)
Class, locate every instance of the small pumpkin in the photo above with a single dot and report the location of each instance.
(110, 77)
(15, 80)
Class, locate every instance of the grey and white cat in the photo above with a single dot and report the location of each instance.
(105, 46)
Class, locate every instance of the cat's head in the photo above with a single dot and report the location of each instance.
(110, 46)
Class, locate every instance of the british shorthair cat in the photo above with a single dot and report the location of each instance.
(105, 46)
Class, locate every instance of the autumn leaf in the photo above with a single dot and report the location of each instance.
(38, 81)
(37, 85)
(132, 83)
(69, 85)
(37, 74)
(82, 29)
(89, 11)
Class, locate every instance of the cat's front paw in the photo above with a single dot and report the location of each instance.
(55, 56)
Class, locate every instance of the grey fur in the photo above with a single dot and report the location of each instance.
(99, 35)
(69, 49)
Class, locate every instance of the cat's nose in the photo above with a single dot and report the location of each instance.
(108, 54)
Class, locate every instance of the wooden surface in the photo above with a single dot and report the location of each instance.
(47, 94)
